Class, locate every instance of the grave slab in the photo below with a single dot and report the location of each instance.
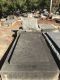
(31, 60)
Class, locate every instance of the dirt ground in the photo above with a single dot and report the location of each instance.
(6, 36)
(48, 21)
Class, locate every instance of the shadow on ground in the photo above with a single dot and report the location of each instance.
(6, 53)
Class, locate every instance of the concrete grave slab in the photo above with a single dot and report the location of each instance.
(31, 60)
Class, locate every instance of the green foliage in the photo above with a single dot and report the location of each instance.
(23, 5)
(44, 4)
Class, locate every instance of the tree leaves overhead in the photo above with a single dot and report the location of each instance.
(26, 5)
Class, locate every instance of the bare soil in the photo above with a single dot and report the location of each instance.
(49, 21)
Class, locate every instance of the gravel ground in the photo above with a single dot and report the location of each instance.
(6, 36)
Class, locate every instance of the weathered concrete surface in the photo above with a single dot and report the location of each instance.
(54, 48)
(55, 37)
(50, 22)
(30, 23)
(31, 60)
(46, 27)
(55, 40)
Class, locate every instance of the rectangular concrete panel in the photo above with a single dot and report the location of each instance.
(55, 36)
(46, 27)
(30, 24)
(31, 60)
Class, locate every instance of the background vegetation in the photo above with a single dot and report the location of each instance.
(11, 6)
